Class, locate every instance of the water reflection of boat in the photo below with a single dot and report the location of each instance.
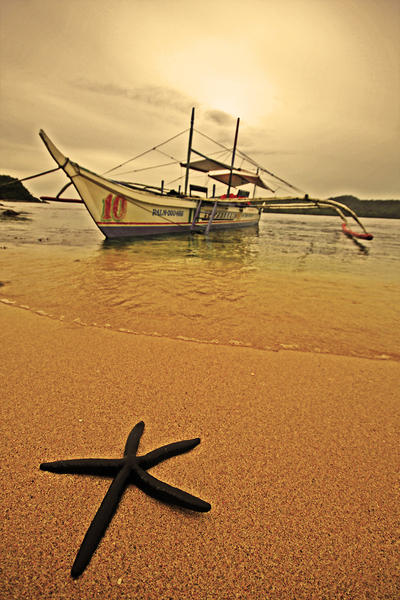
(126, 210)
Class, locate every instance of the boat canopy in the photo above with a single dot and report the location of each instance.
(205, 165)
(221, 172)
(239, 177)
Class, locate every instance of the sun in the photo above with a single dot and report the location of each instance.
(239, 97)
(222, 78)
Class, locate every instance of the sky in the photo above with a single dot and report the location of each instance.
(316, 84)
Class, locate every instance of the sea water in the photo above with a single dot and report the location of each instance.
(294, 283)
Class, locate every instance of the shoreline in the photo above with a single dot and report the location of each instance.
(298, 458)
(277, 347)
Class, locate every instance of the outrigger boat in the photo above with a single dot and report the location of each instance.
(127, 210)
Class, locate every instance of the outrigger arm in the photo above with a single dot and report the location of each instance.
(309, 203)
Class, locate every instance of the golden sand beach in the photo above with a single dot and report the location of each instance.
(299, 458)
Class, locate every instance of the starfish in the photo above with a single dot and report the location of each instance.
(129, 469)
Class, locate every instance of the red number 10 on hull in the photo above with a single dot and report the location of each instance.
(114, 208)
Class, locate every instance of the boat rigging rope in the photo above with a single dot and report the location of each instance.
(214, 141)
(145, 152)
(169, 164)
(167, 155)
(248, 158)
(175, 180)
(147, 168)
(156, 148)
(33, 176)
(253, 162)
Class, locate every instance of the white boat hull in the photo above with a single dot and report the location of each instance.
(120, 211)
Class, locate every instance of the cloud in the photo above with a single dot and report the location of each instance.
(151, 95)
(219, 117)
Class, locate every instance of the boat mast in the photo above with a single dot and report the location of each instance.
(189, 151)
(233, 157)
(255, 185)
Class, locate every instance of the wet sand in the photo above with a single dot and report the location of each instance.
(299, 458)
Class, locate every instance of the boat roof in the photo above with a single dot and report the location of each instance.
(221, 172)
(205, 165)
(239, 177)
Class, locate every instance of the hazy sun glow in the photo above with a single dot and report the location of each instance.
(232, 85)
(239, 99)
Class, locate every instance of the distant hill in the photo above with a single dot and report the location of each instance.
(383, 209)
(14, 190)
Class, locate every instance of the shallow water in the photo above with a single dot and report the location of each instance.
(296, 283)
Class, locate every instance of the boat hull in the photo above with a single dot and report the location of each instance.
(122, 211)
(122, 231)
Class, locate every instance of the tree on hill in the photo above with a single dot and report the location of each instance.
(12, 189)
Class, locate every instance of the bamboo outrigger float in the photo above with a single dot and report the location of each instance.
(128, 210)
(310, 203)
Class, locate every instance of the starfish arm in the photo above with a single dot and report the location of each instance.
(132, 443)
(167, 493)
(85, 466)
(151, 459)
(100, 522)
